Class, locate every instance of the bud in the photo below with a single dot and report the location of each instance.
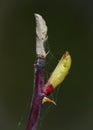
(59, 73)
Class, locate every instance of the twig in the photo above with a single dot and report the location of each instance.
(41, 31)
(41, 91)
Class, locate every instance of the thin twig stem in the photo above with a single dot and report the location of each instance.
(41, 33)
(37, 95)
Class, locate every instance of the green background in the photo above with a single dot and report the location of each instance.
(70, 26)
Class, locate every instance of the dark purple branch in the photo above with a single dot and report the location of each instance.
(37, 94)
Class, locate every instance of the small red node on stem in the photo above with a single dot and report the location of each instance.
(48, 88)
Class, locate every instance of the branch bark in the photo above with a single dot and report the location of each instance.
(41, 32)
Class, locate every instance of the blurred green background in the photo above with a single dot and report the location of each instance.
(70, 27)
